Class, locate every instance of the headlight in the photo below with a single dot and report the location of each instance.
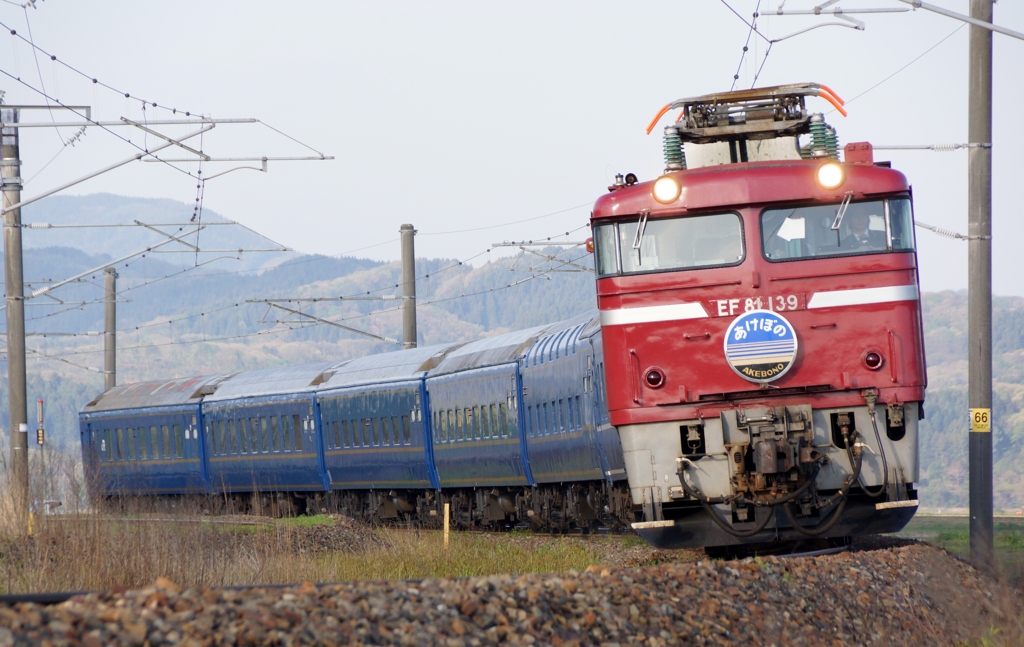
(830, 175)
(666, 189)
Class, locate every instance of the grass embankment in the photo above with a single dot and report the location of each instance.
(953, 534)
(86, 553)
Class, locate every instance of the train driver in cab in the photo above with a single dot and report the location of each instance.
(861, 236)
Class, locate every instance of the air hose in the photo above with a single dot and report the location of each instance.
(870, 397)
(706, 503)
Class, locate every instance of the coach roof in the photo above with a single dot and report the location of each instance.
(388, 367)
(158, 393)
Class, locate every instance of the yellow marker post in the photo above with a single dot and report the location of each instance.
(981, 420)
(447, 512)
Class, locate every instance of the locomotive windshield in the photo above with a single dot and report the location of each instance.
(666, 244)
(878, 226)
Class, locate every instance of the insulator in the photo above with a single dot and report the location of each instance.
(946, 148)
(675, 156)
(805, 152)
(819, 147)
(831, 142)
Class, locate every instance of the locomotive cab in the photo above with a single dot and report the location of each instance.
(762, 330)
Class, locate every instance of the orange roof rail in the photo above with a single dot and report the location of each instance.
(827, 96)
(832, 92)
(657, 118)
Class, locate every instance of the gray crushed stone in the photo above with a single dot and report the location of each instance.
(908, 595)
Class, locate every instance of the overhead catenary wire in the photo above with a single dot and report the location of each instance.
(39, 71)
(15, 35)
(746, 45)
(91, 121)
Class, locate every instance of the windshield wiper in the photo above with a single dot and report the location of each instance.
(640, 227)
(842, 211)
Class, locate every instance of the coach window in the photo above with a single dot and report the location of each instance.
(155, 440)
(643, 244)
(243, 436)
(178, 439)
(385, 433)
(406, 430)
(129, 450)
(503, 420)
(297, 424)
(286, 434)
(263, 426)
(275, 439)
(143, 444)
(291, 432)
(167, 441)
(485, 421)
(818, 231)
(220, 440)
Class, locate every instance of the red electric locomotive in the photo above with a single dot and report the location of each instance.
(761, 322)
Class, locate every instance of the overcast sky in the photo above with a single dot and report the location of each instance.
(460, 116)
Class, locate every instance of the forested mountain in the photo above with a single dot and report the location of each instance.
(944, 431)
(176, 318)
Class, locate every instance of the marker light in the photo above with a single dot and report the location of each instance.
(654, 378)
(666, 189)
(830, 175)
(873, 360)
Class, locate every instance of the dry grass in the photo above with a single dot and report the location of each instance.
(88, 553)
(77, 549)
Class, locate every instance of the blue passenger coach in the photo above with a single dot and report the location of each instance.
(143, 438)
(260, 433)
(508, 430)
(376, 438)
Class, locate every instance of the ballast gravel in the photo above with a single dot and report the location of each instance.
(908, 595)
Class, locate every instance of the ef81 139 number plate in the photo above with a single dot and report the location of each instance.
(773, 303)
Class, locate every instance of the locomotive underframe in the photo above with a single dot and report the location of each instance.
(770, 467)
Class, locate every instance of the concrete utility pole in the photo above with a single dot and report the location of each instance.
(109, 329)
(408, 286)
(979, 293)
(10, 175)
